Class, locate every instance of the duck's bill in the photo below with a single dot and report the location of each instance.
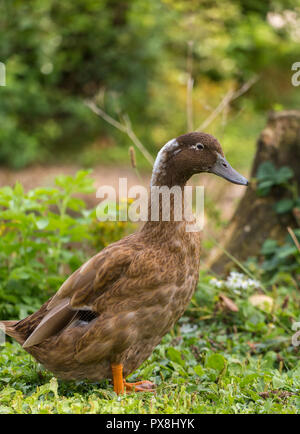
(222, 168)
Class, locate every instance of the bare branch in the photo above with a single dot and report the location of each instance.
(230, 96)
(246, 86)
(226, 99)
(98, 111)
(131, 134)
(125, 128)
(189, 87)
(294, 238)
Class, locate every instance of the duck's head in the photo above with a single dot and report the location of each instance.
(189, 154)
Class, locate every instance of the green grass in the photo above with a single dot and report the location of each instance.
(213, 361)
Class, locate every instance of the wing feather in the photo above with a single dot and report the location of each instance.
(94, 277)
(52, 323)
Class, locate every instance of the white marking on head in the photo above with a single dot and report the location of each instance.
(159, 166)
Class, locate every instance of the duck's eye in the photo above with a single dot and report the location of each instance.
(200, 146)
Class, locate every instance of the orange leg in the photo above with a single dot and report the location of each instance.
(120, 385)
(117, 371)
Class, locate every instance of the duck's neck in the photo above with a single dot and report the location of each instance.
(166, 209)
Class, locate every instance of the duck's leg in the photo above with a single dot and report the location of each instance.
(118, 382)
(120, 385)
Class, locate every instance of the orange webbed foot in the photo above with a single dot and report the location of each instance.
(139, 386)
(120, 385)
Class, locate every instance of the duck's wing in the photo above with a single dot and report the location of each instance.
(55, 320)
(94, 277)
(81, 289)
(127, 308)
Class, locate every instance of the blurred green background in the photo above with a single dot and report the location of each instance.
(131, 56)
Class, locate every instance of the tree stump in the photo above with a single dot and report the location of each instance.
(255, 220)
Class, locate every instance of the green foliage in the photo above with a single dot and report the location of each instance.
(56, 55)
(268, 176)
(131, 56)
(285, 205)
(46, 234)
(280, 258)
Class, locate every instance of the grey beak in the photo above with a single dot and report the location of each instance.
(222, 168)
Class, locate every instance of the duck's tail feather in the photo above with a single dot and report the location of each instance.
(9, 328)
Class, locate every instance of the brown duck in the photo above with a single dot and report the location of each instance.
(111, 313)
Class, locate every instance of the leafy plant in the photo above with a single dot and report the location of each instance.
(46, 234)
(269, 176)
(281, 258)
(284, 257)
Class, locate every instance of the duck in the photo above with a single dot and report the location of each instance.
(110, 314)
